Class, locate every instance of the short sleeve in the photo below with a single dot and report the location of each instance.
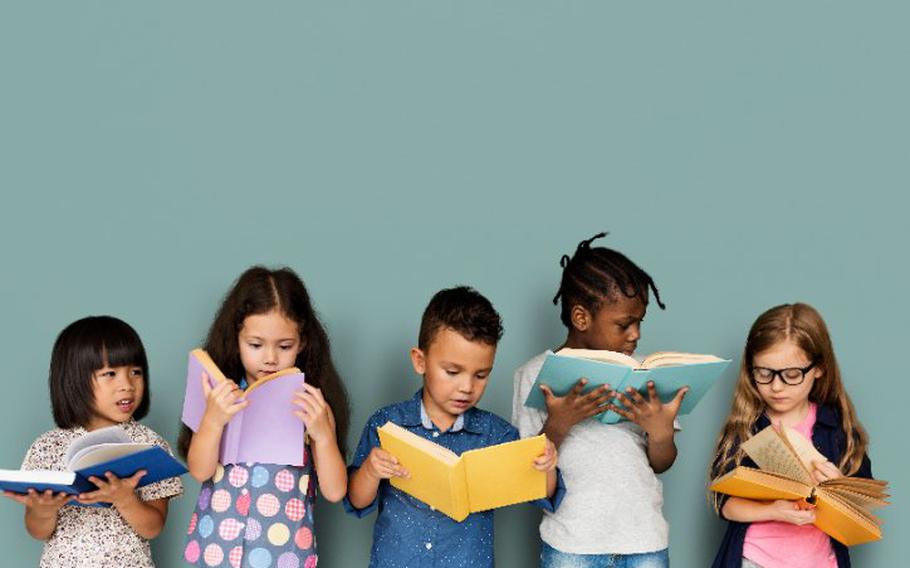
(46, 452)
(529, 421)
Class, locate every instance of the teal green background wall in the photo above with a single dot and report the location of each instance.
(745, 154)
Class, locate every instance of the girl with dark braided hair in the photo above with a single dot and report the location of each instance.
(611, 514)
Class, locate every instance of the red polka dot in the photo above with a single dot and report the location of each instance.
(191, 553)
(304, 538)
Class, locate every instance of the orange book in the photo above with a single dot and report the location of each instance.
(843, 506)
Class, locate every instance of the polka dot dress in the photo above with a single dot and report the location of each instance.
(254, 516)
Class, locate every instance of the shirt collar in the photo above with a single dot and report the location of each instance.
(414, 414)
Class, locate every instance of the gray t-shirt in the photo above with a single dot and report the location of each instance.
(613, 498)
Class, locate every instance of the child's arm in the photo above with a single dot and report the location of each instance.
(364, 484)
(222, 403)
(564, 412)
(750, 511)
(320, 426)
(145, 517)
(547, 462)
(656, 419)
(40, 511)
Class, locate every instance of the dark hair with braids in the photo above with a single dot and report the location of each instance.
(464, 310)
(259, 291)
(597, 275)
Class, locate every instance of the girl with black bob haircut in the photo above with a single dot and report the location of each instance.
(98, 378)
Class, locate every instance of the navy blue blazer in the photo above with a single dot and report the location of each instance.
(829, 438)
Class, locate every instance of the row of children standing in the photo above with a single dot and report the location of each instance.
(604, 501)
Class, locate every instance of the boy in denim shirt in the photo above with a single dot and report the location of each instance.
(456, 348)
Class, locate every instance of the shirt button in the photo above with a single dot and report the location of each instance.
(429, 545)
(435, 434)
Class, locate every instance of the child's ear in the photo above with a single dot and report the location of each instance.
(419, 360)
(580, 317)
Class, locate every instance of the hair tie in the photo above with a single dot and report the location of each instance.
(564, 261)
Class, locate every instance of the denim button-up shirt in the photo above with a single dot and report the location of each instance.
(408, 532)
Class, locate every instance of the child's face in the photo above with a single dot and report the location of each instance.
(783, 400)
(117, 393)
(268, 343)
(615, 326)
(455, 373)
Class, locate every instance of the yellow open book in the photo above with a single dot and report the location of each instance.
(843, 506)
(478, 480)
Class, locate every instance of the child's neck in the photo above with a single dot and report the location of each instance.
(791, 418)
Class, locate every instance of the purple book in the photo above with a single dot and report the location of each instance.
(266, 431)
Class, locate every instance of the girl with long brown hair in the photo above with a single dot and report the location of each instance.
(789, 376)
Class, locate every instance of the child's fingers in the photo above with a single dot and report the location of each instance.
(21, 499)
(314, 391)
(677, 400)
(827, 469)
(206, 386)
(635, 397)
(579, 386)
(622, 412)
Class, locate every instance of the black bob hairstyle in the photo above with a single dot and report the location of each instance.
(82, 348)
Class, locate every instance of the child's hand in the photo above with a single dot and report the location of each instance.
(380, 464)
(547, 460)
(112, 489)
(652, 415)
(793, 512)
(315, 413)
(571, 409)
(44, 504)
(825, 470)
(222, 401)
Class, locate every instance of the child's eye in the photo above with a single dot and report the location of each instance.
(482, 376)
(286, 347)
(451, 372)
(254, 345)
(136, 372)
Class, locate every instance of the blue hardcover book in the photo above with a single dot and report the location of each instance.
(106, 449)
(670, 372)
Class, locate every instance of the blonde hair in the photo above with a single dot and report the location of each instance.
(802, 325)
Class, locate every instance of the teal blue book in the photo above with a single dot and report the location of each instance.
(670, 372)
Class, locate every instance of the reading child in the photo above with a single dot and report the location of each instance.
(789, 376)
(265, 324)
(611, 515)
(98, 378)
(455, 351)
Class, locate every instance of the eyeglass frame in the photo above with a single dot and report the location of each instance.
(780, 373)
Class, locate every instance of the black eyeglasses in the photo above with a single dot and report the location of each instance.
(790, 376)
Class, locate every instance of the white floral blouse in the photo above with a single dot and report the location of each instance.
(91, 537)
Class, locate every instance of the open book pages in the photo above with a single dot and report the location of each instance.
(652, 361)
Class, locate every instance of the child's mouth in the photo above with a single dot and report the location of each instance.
(125, 404)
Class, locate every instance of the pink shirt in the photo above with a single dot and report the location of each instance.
(774, 544)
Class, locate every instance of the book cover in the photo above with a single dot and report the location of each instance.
(669, 371)
(478, 480)
(266, 431)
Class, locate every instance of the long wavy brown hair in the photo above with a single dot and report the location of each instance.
(802, 325)
(259, 291)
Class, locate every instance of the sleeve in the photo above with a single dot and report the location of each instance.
(166, 488)
(510, 434)
(43, 453)
(529, 421)
(369, 439)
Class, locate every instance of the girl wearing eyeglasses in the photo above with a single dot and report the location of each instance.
(789, 376)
